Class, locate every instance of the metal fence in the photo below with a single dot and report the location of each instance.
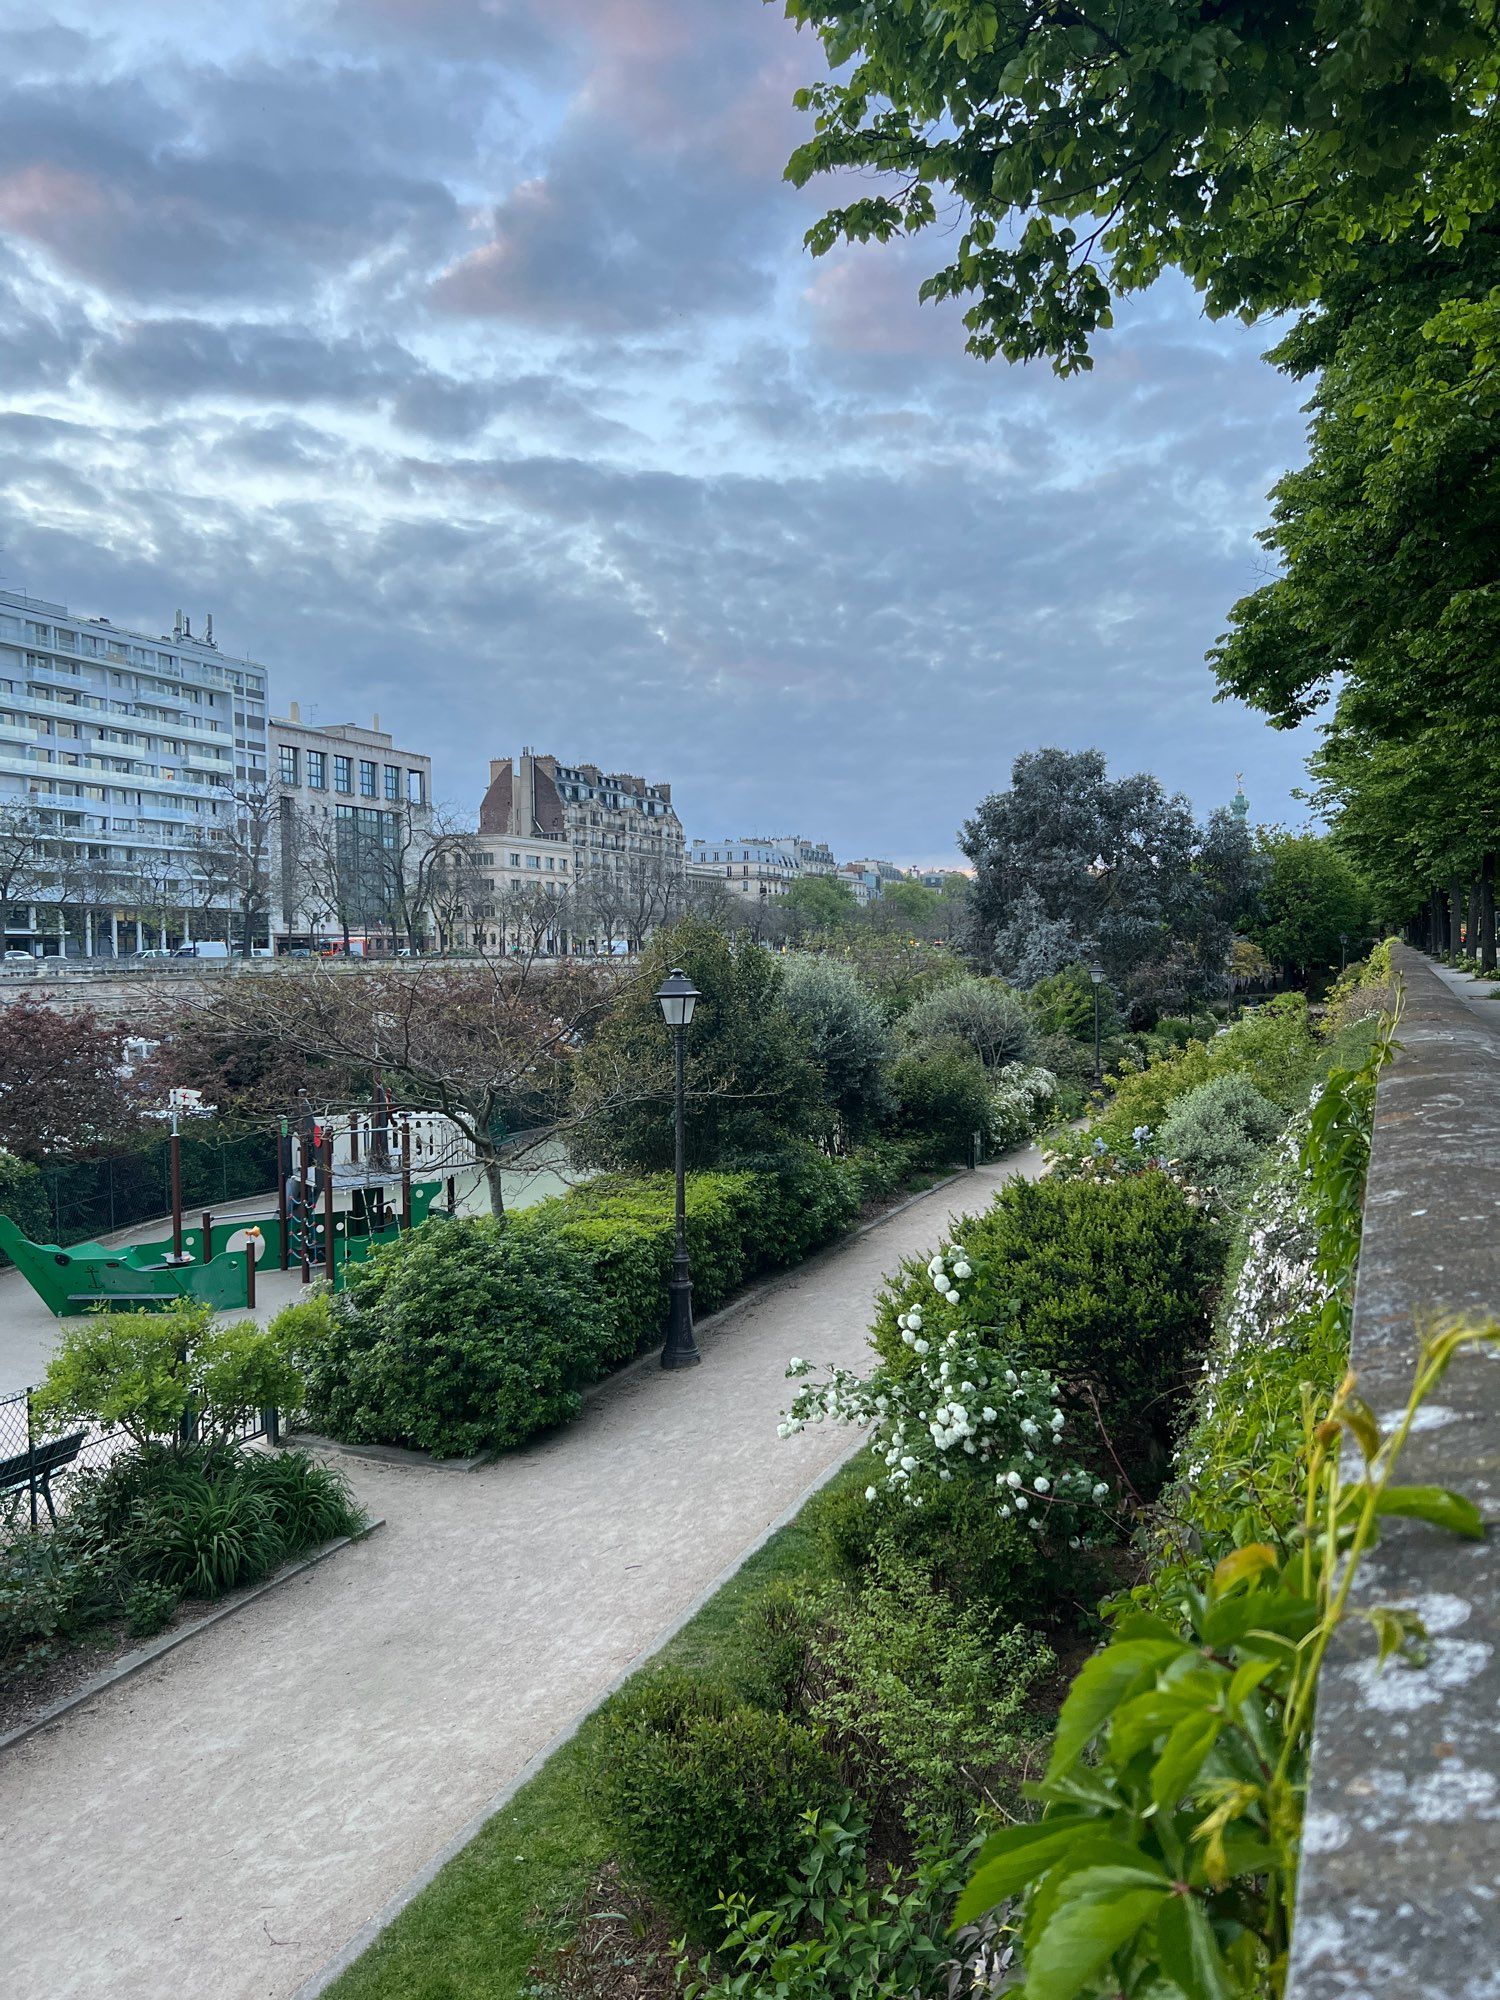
(91, 1198)
(37, 1463)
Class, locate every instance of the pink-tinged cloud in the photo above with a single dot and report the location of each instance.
(48, 204)
(864, 301)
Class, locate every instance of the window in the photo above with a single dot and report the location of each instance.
(317, 770)
(343, 774)
(514, 860)
(416, 788)
(290, 758)
(366, 778)
(533, 861)
(392, 782)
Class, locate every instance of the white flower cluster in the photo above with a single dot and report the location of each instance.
(960, 1412)
(1020, 1098)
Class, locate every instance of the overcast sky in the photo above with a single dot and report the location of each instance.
(462, 357)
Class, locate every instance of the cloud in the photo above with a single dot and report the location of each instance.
(463, 358)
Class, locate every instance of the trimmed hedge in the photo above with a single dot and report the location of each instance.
(740, 1224)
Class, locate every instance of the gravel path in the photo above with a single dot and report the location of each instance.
(224, 1822)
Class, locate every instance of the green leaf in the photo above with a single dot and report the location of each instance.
(1436, 1504)
(1189, 1951)
(1251, 1560)
(1012, 1858)
(1182, 1758)
(1088, 1928)
(1098, 1689)
(1361, 1420)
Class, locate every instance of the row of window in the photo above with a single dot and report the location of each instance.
(292, 761)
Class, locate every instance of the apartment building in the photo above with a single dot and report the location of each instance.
(353, 832)
(123, 759)
(504, 893)
(620, 836)
(753, 868)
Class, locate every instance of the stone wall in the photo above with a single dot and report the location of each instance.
(1400, 1887)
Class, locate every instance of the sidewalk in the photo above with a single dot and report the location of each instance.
(222, 1824)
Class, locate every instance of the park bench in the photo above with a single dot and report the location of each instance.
(33, 1469)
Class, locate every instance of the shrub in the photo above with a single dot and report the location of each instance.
(52, 1589)
(1021, 1099)
(984, 1016)
(846, 1030)
(1101, 1284)
(463, 1336)
(1063, 1004)
(701, 1793)
(148, 1607)
(974, 1554)
(918, 1702)
(144, 1372)
(942, 1099)
(23, 1197)
(1217, 1135)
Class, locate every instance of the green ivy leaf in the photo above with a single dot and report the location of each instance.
(1444, 1509)
(1104, 1910)
(1189, 1951)
(1182, 1758)
(1012, 1858)
(1108, 1679)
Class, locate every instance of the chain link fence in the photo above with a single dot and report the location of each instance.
(92, 1198)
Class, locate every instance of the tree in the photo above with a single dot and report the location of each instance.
(846, 1031)
(751, 1082)
(492, 1046)
(23, 849)
(1311, 899)
(911, 908)
(60, 1085)
(819, 903)
(982, 1016)
(1069, 863)
(1255, 149)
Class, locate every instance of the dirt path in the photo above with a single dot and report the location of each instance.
(223, 1823)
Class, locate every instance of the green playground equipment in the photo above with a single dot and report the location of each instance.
(145, 1275)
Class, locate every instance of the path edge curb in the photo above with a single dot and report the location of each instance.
(146, 1656)
(334, 1969)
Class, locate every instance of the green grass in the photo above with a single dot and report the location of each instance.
(472, 1934)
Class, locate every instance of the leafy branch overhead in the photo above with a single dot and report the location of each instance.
(1087, 148)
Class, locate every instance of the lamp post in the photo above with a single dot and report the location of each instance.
(677, 997)
(1096, 973)
(1344, 949)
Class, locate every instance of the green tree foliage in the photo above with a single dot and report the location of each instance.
(1311, 898)
(1070, 863)
(942, 1099)
(145, 1372)
(985, 1017)
(1257, 150)
(1063, 1004)
(1387, 544)
(751, 1080)
(846, 1032)
(819, 903)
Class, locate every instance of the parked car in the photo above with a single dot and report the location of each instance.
(155, 951)
(18, 955)
(210, 948)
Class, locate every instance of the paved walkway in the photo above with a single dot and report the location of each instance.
(1480, 992)
(223, 1823)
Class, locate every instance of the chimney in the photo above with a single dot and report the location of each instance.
(187, 628)
(294, 710)
(208, 629)
(375, 724)
(177, 625)
(497, 765)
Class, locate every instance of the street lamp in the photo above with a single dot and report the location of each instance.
(1096, 973)
(1344, 950)
(677, 996)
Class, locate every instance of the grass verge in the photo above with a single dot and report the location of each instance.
(473, 1933)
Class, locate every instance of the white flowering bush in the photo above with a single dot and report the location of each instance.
(1021, 1100)
(960, 1412)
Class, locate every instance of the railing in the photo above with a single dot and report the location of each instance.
(1401, 1856)
(30, 1484)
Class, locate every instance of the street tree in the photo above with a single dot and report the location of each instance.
(1081, 151)
(61, 1091)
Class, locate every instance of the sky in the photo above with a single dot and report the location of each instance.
(463, 358)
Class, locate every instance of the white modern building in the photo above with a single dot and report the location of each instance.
(752, 868)
(121, 753)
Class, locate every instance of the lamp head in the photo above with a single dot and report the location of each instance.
(1096, 973)
(677, 996)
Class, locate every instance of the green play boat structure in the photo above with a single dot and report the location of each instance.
(89, 1275)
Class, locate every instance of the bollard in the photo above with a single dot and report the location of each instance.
(208, 1235)
(249, 1273)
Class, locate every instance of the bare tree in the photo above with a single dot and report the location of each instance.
(255, 811)
(457, 887)
(491, 1045)
(23, 854)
